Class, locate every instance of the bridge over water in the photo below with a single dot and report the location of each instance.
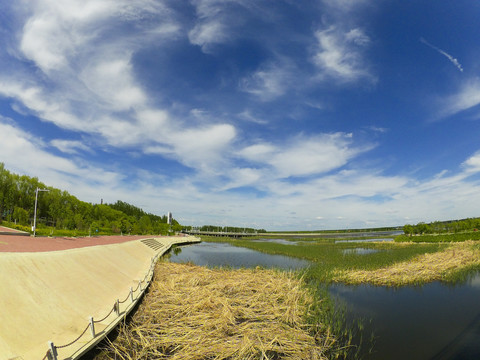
(230, 234)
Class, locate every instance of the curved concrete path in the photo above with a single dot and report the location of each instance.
(49, 296)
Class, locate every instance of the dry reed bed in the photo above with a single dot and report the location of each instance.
(193, 312)
(424, 268)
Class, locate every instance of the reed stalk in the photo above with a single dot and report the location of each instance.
(441, 265)
(193, 312)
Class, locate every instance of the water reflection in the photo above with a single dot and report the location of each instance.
(220, 254)
(361, 235)
(363, 240)
(277, 241)
(429, 322)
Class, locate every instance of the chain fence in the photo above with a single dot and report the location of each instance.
(52, 353)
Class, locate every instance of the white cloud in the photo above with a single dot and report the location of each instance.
(271, 80)
(208, 33)
(56, 30)
(243, 177)
(42, 103)
(214, 23)
(217, 20)
(305, 156)
(200, 148)
(345, 5)
(472, 164)
(89, 83)
(70, 146)
(85, 81)
(248, 116)
(112, 82)
(339, 54)
(22, 152)
(366, 195)
(466, 98)
(358, 37)
(258, 152)
(203, 147)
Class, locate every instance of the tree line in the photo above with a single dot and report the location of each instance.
(231, 229)
(60, 210)
(439, 227)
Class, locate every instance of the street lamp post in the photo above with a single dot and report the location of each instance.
(35, 211)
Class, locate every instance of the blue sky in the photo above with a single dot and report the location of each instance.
(282, 115)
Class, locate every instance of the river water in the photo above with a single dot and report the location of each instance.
(434, 321)
(221, 254)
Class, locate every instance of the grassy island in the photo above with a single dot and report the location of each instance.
(393, 263)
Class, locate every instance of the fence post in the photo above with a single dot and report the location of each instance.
(117, 307)
(131, 294)
(92, 327)
(53, 350)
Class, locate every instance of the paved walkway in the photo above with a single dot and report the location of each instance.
(40, 244)
(50, 287)
(6, 231)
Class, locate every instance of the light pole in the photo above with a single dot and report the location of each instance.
(35, 212)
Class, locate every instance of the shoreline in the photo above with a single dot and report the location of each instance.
(437, 266)
(192, 311)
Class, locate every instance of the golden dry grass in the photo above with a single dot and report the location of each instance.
(424, 268)
(193, 312)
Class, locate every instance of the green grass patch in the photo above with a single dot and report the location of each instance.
(328, 257)
(437, 238)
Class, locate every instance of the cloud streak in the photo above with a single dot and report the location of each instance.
(338, 54)
(444, 53)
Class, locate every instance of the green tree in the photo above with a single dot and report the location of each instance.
(145, 225)
(408, 229)
(20, 215)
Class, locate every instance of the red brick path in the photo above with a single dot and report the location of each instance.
(11, 243)
(5, 229)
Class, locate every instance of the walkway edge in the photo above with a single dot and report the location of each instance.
(123, 314)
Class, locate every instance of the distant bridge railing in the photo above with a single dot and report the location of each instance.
(220, 233)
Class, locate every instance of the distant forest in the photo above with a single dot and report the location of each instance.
(58, 209)
(231, 229)
(440, 227)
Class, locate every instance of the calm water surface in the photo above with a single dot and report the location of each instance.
(432, 322)
(363, 240)
(277, 241)
(220, 254)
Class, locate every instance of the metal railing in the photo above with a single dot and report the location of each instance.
(52, 352)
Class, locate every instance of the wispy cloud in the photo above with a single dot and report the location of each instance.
(21, 151)
(70, 146)
(96, 81)
(453, 60)
(89, 84)
(305, 155)
(468, 97)
(271, 81)
(338, 54)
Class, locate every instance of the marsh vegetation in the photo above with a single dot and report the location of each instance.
(193, 312)
(323, 328)
(380, 263)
